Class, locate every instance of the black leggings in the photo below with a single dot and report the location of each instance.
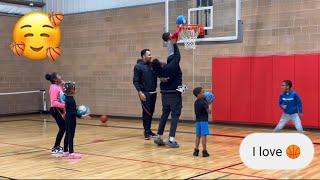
(57, 115)
(68, 139)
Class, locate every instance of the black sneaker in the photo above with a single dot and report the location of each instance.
(158, 141)
(146, 136)
(152, 135)
(196, 152)
(60, 149)
(57, 150)
(54, 150)
(172, 144)
(205, 153)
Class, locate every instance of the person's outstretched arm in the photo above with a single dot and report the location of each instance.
(299, 103)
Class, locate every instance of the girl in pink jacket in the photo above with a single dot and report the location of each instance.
(57, 109)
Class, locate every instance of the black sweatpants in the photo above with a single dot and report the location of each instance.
(171, 103)
(57, 115)
(68, 140)
(148, 110)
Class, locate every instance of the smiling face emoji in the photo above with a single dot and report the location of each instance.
(37, 33)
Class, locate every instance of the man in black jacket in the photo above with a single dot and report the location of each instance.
(145, 82)
(171, 78)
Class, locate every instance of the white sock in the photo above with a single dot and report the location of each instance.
(171, 139)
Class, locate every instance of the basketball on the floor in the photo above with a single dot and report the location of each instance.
(181, 20)
(62, 97)
(293, 151)
(209, 97)
(83, 110)
(104, 118)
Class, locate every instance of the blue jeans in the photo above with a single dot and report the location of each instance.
(285, 118)
(171, 103)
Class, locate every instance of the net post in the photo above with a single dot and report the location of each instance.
(44, 100)
(166, 20)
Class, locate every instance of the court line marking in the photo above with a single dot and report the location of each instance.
(68, 169)
(106, 140)
(234, 168)
(211, 171)
(21, 153)
(240, 174)
(7, 177)
(223, 176)
(12, 120)
(146, 161)
(15, 151)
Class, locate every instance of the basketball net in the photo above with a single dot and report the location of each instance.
(189, 35)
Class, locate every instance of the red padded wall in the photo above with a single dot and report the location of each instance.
(262, 90)
(221, 88)
(240, 93)
(306, 71)
(283, 68)
(247, 88)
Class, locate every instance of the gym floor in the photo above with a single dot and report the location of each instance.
(117, 150)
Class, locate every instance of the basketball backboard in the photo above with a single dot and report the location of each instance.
(221, 18)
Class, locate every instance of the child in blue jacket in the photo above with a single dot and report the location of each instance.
(290, 103)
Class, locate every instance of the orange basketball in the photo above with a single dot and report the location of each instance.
(56, 18)
(53, 53)
(293, 151)
(104, 118)
(17, 48)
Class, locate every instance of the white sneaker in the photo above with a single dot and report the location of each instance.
(182, 88)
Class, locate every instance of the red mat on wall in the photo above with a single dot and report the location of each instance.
(247, 88)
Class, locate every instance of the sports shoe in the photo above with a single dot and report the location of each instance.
(65, 154)
(159, 141)
(205, 153)
(182, 88)
(60, 149)
(74, 156)
(172, 144)
(152, 135)
(57, 150)
(146, 136)
(196, 152)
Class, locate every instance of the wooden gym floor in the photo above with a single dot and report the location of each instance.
(117, 150)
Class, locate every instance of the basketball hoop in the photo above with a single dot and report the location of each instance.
(189, 34)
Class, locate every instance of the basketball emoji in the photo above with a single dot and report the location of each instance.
(37, 36)
(56, 18)
(293, 151)
(17, 48)
(53, 53)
